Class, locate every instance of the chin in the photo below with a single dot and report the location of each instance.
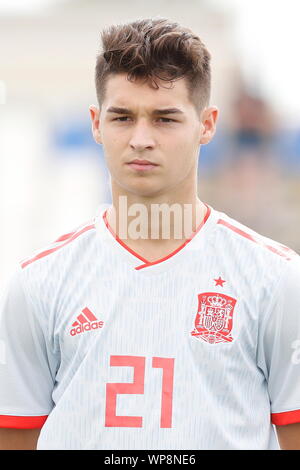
(146, 191)
(142, 187)
(150, 192)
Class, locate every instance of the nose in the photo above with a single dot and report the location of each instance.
(142, 137)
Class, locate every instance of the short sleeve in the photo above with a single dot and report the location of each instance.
(279, 347)
(26, 373)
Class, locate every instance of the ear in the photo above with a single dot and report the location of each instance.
(95, 118)
(208, 120)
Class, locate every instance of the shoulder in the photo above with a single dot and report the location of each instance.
(251, 242)
(56, 250)
(58, 265)
(260, 263)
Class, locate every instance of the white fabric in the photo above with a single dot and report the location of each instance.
(222, 393)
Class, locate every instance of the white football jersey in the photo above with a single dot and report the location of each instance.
(198, 350)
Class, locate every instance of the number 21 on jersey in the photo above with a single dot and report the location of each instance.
(137, 387)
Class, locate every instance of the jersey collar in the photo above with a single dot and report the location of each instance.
(137, 262)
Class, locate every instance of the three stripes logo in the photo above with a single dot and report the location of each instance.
(86, 321)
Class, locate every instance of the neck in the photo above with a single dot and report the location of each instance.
(157, 218)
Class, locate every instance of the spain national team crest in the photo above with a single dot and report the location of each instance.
(213, 322)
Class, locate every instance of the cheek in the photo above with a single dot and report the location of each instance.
(109, 139)
(110, 136)
(185, 138)
(185, 148)
(112, 145)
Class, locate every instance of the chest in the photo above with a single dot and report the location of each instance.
(183, 310)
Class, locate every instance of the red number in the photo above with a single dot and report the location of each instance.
(167, 365)
(113, 389)
(137, 387)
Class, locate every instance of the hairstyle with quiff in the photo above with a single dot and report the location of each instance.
(150, 49)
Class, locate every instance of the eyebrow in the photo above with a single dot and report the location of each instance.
(117, 110)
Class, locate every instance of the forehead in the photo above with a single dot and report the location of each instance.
(119, 91)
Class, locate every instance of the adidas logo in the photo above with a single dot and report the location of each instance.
(86, 321)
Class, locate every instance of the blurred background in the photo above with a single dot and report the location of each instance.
(53, 176)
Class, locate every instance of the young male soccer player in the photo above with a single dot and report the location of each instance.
(120, 342)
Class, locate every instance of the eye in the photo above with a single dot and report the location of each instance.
(162, 119)
(121, 119)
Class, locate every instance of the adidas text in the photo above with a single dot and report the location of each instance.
(86, 327)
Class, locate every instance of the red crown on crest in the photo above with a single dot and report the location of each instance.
(216, 301)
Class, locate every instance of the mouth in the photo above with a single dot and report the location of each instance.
(142, 165)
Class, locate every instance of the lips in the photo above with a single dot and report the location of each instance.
(142, 162)
(142, 165)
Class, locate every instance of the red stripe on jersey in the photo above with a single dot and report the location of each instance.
(22, 422)
(287, 249)
(51, 250)
(149, 263)
(89, 314)
(287, 417)
(64, 237)
(120, 241)
(253, 239)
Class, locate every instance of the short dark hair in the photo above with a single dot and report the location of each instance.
(150, 49)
